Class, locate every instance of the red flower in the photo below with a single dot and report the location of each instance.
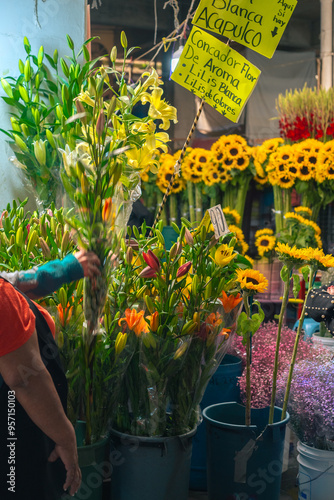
(151, 260)
(147, 272)
(182, 270)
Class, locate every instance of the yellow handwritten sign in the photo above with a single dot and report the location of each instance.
(258, 24)
(216, 73)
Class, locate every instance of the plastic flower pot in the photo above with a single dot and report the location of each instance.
(94, 465)
(243, 462)
(221, 388)
(316, 473)
(150, 468)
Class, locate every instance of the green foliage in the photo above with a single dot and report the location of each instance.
(41, 100)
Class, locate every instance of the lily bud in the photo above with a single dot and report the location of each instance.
(188, 237)
(182, 270)
(151, 260)
(100, 123)
(147, 272)
(120, 342)
(129, 255)
(40, 151)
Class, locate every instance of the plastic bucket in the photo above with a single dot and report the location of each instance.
(94, 465)
(243, 462)
(150, 468)
(326, 342)
(221, 388)
(316, 473)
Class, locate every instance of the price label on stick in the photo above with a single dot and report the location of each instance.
(218, 221)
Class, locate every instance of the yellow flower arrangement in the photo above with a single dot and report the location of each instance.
(261, 156)
(299, 230)
(231, 160)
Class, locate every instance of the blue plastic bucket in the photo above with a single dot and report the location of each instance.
(316, 473)
(243, 462)
(221, 388)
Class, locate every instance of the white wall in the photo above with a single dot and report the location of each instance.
(17, 20)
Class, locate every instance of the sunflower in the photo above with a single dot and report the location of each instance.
(241, 244)
(325, 169)
(211, 176)
(293, 254)
(267, 231)
(285, 182)
(251, 280)
(265, 244)
(316, 255)
(165, 174)
(304, 210)
(318, 240)
(195, 164)
(232, 214)
(308, 154)
(231, 151)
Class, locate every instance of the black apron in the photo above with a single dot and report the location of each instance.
(24, 466)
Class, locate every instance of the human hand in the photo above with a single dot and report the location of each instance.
(69, 457)
(90, 263)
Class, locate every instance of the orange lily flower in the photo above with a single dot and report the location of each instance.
(230, 301)
(213, 320)
(107, 210)
(135, 321)
(154, 321)
(64, 314)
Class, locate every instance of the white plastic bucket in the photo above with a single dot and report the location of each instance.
(316, 473)
(326, 342)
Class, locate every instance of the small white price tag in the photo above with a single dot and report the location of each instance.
(218, 221)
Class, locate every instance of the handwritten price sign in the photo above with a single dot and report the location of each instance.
(257, 24)
(218, 221)
(216, 73)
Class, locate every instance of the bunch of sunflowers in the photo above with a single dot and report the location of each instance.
(233, 167)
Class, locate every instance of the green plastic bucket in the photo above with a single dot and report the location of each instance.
(94, 465)
(244, 462)
(150, 468)
(221, 388)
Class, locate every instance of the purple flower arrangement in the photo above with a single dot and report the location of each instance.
(263, 356)
(311, 402)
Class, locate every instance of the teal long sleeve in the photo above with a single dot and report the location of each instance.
(41, 281)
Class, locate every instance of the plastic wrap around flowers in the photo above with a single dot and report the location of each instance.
(178, 309)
